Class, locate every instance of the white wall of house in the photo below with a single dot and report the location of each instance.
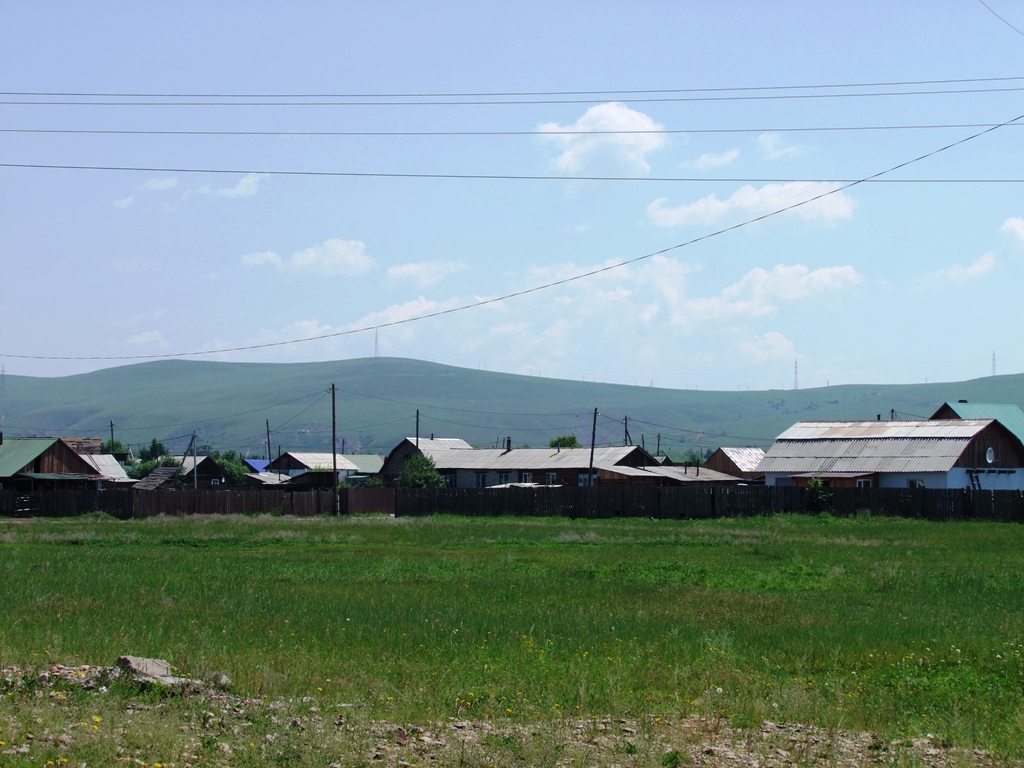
(989, 479)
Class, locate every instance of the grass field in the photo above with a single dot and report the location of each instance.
(900, 628)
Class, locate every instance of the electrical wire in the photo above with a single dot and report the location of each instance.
(430, 102)
(502, 176)
(541, 133)
(543, 286)
(489, 94)
(989, 9)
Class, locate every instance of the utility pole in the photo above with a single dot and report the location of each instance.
(334, 453)
(593, 437)
(626, 439)
(417, 427)
(892, 414)
(269, 457)
(658, 452)
(111, 435)
(195, 464)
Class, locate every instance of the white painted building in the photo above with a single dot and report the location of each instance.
(955, 453)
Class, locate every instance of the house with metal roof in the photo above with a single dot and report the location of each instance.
(463, 466)
(947, 453)
(309, 469)
(737, 462)
(37, 463)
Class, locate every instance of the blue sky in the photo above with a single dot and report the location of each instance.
(881, 282)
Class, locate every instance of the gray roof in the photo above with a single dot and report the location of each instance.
(499, 459)
(871, 446)
(1007, 414)
(109, 467)
(322, 461)
(156, 478)
(441, 443)
(689, 474)
(745, 459)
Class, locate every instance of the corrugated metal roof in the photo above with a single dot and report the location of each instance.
(109, 467)
(482, 459)
(156, 478)
(1010, 416)
(439, 443)
(745, 459)
(871, 446)
(859, 430)
(323, 461)
(18, 452)
(689, 474)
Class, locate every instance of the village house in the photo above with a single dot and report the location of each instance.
(44, 463)
(943, 453)
(738, 462)
(463, 466)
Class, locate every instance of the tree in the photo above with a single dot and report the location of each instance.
(419, 471)
(154, 451)
(231, 463)
(116, 447)
(565, 441)
(143, 468)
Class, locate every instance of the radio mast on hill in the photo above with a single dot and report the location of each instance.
(796, 378)
(993, 362)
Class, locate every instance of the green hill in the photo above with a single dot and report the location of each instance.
(228, 404)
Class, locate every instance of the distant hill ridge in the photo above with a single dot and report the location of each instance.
(228, 404)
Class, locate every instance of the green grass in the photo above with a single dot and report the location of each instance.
(902, 628)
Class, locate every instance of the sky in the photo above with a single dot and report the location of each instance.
(650, 193)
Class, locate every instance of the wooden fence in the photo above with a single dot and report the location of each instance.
(694, 503)
(673, 503)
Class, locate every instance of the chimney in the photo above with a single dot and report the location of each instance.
(878, 417)
(508, 444)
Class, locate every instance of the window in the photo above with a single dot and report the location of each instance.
(527, 477)
(550, 479)
(503, 478)
(481, 479)
(864, 482)
(915, 483)
(584, 480)
(450, 480)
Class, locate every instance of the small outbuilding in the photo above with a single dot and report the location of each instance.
(737, 462)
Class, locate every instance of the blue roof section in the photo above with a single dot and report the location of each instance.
(1010, 416)
(257, 465)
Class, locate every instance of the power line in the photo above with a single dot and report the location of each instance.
(485, 94)
(505, 176)
(545, 132)
(543, 286)
(989, 9)
(431, 102)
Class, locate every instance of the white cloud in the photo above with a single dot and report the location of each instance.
(708, 161)
(1014, 226)
(247, 186)
(769, 346)
(588, 146)
(332, 257)
(753, 201)
(773, 147)
(124, 202)
(424, 273)
(961, 274)
(759, 291)
(405, 311)
(152, 338)
(159, 184)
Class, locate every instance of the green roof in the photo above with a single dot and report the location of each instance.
(17, 453)
(1010, 416)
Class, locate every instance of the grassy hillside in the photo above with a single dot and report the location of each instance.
(228, 404)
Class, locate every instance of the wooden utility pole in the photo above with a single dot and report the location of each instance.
(111, 436)
(334, 452)
(417, 427)
(269, 457)
(593, 437)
